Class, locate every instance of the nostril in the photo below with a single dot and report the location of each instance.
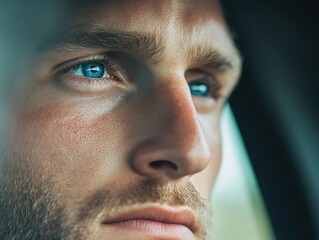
(162, 164)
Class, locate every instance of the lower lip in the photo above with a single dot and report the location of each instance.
(153, 229)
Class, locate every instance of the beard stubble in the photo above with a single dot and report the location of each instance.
(32, 207)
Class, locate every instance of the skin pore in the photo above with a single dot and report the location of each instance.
(122, 115)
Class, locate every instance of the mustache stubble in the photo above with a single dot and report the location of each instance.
(104, 204)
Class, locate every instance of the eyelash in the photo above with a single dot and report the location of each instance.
(68, 80)
(214, 88)
(105, 60)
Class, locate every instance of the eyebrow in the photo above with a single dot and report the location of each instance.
(213, 59)
(141, 44)
(145, 45)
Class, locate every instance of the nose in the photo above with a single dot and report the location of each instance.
(175, 145)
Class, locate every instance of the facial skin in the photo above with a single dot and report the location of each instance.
(131, 153)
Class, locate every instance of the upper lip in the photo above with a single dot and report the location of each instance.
(159, 213)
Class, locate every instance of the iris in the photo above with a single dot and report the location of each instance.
(89, 70)
(198, 89)
(93, 70)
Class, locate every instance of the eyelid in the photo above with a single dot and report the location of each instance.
(66, 79)
(214, 88)
(106, 59)
(209, 78)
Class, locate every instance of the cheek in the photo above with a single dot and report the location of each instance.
(71, 144)
(205, 179)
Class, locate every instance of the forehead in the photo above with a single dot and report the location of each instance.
(144, 12)
(171, 21)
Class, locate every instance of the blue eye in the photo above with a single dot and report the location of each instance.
(89, 70)
(199, 89)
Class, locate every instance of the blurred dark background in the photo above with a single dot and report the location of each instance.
(276, 106)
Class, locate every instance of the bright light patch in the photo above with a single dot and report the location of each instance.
(238, 209)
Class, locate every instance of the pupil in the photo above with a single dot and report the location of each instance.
(93, 70)
(198, 89)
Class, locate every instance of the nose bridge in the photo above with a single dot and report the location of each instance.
(181, 127)
(179, 117)
(178, 147)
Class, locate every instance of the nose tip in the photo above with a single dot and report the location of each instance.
(155, 159)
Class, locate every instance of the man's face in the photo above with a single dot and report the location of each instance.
(117, 136)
